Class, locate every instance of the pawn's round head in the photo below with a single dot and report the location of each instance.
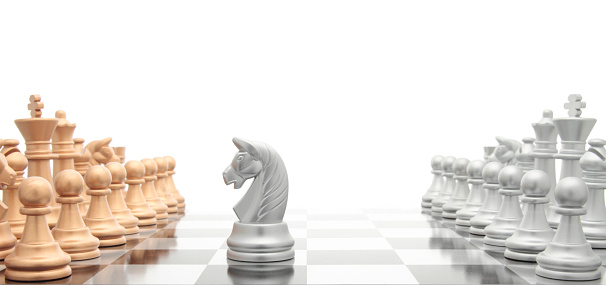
(571, 192)
(536, 183)
(118, 172)
(490, 173)
(448, 163)
(134, 169)
(436, 162)
(474, 169)
(460, 166)
(151, 168)
(35, 191)
(172, 163)
(162, 164)
(69, 183)
(17, 161)
(510, 177)
(98, 177)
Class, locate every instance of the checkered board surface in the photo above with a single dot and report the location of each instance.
(378, 246)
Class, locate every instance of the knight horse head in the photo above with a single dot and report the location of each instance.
(102, 152)
(506, 151)
(265, 201)
(7, 174)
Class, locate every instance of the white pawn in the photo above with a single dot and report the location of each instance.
(593, 163)
(492, 202)
(476, 194)
(436, 184)
(459, 196)
(510, 213)
(449, 186)
(534, 232)
(569, 256)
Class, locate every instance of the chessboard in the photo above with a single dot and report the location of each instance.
(355, 246)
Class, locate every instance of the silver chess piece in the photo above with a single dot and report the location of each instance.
(569, 256)
(534, 232)
(260, 235)
(476, 194)
(506, 151)
(593, 163)
(459, 195)
(573, 131)
(543, 154)
(510, 215)
(492, 202)
(436, 184)
(448, 189)
(524, 157)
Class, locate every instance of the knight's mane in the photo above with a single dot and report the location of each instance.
(275, 180)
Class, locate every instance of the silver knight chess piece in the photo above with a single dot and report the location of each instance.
(260, 235)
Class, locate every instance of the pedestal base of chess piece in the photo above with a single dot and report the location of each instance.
(260, 242)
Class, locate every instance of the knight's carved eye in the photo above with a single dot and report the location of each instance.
(240, 158)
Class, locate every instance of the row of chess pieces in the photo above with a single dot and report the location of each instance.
(49, 219)
(555, 224)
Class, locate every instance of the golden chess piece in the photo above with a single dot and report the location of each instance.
(37, 256)
(160, 185)
(70, 232)
(116, 200)
(149, 190)
(170, 183)
(18, 162)
(135, 200)
(99, 218)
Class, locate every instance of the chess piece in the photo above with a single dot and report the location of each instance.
(492, 202)
(476, 194)
(506, 151)
(70, 232)
(573, 131)
(569, 256)
(593, 163)
(170, 183)
(149, 190)
(63, 144)
(544, 160)
(510, 214)
(160, 185)
(99, 217)
(525, 161)
(116, 201)
(37, 256)
(101, 152)
(449, 186)
(18, 162)
(7, 239)
(459, 195)
(260, 235)
(488, 150)
(534, 232)
(81, 164)
(436, 184)
(135, 200)
(37, 132)
(120, 152)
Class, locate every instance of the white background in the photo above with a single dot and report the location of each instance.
(356, 96)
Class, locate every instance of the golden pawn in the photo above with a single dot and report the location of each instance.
(149, 190)
(37, 257)
(70, 232)
(99, 218)
(170, 183)
(135, 200)
(160, 185)
(116, 201)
